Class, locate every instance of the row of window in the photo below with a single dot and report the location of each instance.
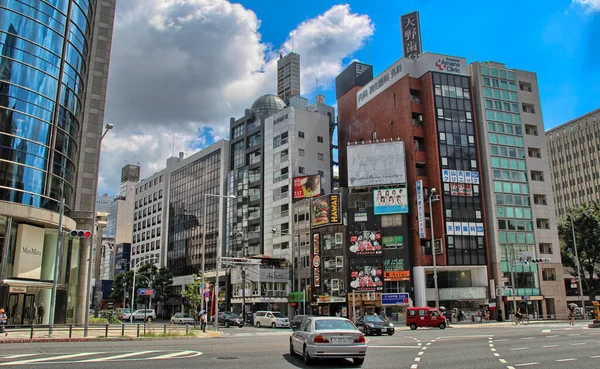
(149, 199)
(149, 184)
(495, 72)
(503, 116)
(146, 223)
(500, 94)
(151, 246)
(143, 236)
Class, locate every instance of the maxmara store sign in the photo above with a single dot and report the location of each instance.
(414, 67)
(28, 253)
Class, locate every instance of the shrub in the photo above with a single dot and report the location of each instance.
(98, 321)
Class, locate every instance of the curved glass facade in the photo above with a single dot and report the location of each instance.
(44, 51)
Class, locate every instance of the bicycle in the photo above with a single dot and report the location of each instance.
(523, 320)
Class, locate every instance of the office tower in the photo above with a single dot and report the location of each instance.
(48, 114)
(288, 76)
(574, 155)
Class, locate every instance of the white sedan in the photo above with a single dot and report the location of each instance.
(328, 337)
(181, 318)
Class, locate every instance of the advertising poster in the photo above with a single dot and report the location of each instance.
(365, 242)
(393, 242)
(461, 189)
(420, 208)
(326, 210)
(307, 186)
(366, 278)
(390, 201)
(316, 260)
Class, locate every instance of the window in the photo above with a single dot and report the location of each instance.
(540, 199)
(319, 139)
(320, 156)
(531, 130)
(528, 108)
(542, 223)
(525, 86)
(549, 274)
(536, 175)
(534, 152)
(300, 152)
(282, 139)
(545, 248)
(301, 170)
(361, 205)
(300, 134)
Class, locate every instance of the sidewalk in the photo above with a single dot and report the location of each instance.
(100, 333)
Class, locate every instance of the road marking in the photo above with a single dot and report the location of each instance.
(493, 350)
(174, 354)
(528, 338)
(17, 356)
(115, 357)
(553, 336)
(421, 353)
(502, 361)
(595, 357)
(393, 346)
(496, 354)
(578, 344)
(417, 359)
(570, 359)
(519, 348)
(527, 364)
(414, 366)
(574, 334)
(548, 346)
(546, 330)
(30, 361)
(502, 340)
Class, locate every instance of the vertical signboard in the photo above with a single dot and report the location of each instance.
(420, 209)
(316, 260)
(411, 35)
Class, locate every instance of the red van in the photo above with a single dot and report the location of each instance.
(424, 317)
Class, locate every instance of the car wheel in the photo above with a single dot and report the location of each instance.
(292, 353)
(442, 325)
(358, 360)
(241, 325)
(257, 324)
(306, 356)
(413, 327)
(226, 324)
(273, 325)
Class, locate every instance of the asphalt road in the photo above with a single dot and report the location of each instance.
(545, 346)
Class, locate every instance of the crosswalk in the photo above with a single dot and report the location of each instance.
(94, 357)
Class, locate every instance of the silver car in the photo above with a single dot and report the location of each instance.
(328, 337)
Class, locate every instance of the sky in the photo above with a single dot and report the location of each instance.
(181, 68)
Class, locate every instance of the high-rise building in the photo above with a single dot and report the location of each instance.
(119, 223)
(288, 76)
(574, 155)
(52, 101)
(103, 203)
(520, 217)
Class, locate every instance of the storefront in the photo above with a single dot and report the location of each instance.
(28, 252)
(332, 306)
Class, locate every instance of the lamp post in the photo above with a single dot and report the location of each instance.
(433, 197)
(107, 128)
(578, 267)
(133, 285)
(292, 259)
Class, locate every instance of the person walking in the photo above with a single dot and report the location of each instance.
(571, 316)
(203, 322)
(3, 320)
(41, 311)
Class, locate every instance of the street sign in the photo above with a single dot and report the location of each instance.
(146, 292)
(394, 298)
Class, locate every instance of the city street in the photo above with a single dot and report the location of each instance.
(547, 345)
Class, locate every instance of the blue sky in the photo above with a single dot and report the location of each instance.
(558, 40)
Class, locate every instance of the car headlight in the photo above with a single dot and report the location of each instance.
(371, 325)
(391, 325)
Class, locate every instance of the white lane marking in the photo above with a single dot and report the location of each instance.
(17, 356)
(455, 337)
(496, 354)
(578, 344)
(546, 331)
(553, 336)
(175, 354)
(115, 357)
(510, 367)
(527, 364)
(414, 366)
(493, 350)
(528, 338)
(570, 359)
(595, 357)
(502, 361)
(424, 348)
(519, 348)
(70, 356)
(393, 346)
(575, 334)
(548, 346)
(421, 353)
(502, 340)
(428, 344)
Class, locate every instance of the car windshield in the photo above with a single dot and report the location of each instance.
(230, 315)
(299, 317)
(334, 324)
(373, 318)
(279, 315)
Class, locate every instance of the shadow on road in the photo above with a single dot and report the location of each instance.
(329, 363)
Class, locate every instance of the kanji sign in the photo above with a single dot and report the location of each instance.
(411, 35)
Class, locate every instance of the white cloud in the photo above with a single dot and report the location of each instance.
(181, 68)
(589, 5)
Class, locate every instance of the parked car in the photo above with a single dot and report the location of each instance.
(273, 319)
(181, 318)
(297, 320)
(228, 319)
(424, 317)
(374, 324)
(141, 314)
(122, 311)
(328, 337)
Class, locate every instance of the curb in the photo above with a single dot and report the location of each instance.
(101, 339)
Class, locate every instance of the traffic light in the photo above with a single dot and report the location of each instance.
(78, 233)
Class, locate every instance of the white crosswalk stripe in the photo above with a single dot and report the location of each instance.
(115, 357)
(94, 357)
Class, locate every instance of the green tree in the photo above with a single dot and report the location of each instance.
(193, 296)
(162, 281)
(586, 222)
(121, 285)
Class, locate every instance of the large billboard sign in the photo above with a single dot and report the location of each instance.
(390, 201)
(376, 164)
(366, 278)
(411, 35)
(326, 210)
(307, 186)
(365, 242)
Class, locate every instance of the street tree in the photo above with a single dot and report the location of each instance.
(586, 222)
(122, 285)
(193, 296)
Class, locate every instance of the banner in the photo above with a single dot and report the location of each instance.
(326, 210)
(390, 201)
(461, 189)
(396, 275)
(307, 186)
(366, 278)
(316, 260)
(420, 209)
(365, 242)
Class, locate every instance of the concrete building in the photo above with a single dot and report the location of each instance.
(406, 102)
(33, 185)
(119, 224)
(520, 216)
(107, 259)
(574, 155)
(103, 203)
(288, 76)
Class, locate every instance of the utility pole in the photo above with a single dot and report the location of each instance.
(243, 294)
(511, 258)
(57, 258)
(578, 270)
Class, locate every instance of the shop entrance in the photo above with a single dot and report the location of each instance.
(22, 309)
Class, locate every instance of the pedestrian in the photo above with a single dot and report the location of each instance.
(203, 322)
(3, 320)
(41, 312)
(571, 316)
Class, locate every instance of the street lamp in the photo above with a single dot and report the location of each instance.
(433, 197)
(133, 285)
(292, 257)
(88, 286)
(578, 266)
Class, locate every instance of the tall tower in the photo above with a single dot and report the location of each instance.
(288, 76)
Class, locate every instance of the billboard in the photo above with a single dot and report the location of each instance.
(411, 35)
(365, 242)
(316, 260)
(326, 210)
(376, 164)
(390, 201)
(366, 278)
(461, 189)
(307, 186)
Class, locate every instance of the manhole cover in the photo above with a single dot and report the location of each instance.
(227, 358)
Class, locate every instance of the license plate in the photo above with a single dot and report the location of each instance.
(341, 341)
(384, 329)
